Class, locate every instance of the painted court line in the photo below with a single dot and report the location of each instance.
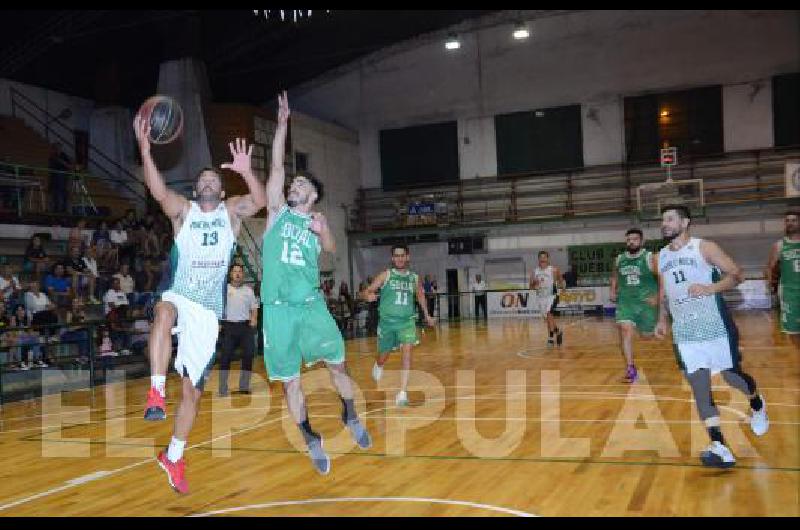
(451, 502)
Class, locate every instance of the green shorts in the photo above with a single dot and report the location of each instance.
(297, 334)
(790, 314)
(393, 334)
(641, 315)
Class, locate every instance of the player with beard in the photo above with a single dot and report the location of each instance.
(298, 328)
(205, 237)
(693, 274)
(634, 288)
(783, 271)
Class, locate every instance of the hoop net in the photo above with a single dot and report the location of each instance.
(652, 197)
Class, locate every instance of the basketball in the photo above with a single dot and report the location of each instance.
(165, 117)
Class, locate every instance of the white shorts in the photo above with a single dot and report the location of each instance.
(715, 355)
(544, 305)
(197, 332)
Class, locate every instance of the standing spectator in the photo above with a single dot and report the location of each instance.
(58, 286)
(571, 277)
(344, 291)
(59, 166)
(241, 319)
(478, 287)
(90, 260)
(372, 311)
(36, 259)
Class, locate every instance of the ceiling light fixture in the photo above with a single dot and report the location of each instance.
(521, 32)
(452, 42)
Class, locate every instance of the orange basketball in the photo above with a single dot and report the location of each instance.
(165, 117)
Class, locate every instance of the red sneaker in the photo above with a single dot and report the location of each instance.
(156, 409)
(175, 471)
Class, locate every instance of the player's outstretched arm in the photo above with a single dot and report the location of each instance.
(277, 173)
(245, 205)
(370, 294)
(771, 274)
(171, 203)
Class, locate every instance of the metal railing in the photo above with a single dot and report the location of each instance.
(730, 178)
(118, 174)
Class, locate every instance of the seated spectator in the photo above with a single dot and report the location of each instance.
(82, 276)
(126, 282)
(114, 298)
(122, 244)
(107, 252)
(25, 341)
(58, 286)
(36, 260)
(79, 236)
(39, 308)
(10, 288)
(7, 339)
(74, 332)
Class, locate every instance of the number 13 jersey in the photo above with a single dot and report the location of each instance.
(694, 319)
(290, 256)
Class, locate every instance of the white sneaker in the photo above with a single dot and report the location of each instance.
(377, 372)
(401, 400)
(759, 422)
(125, 352)
(42, 364)
(24, 366)
(717, 455)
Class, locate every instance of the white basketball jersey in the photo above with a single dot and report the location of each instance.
(546, 281)
(201, 257)
(694, 319)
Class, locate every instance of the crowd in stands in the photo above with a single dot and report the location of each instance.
(104, 277)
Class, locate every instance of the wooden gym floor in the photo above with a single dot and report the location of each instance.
(498, 425)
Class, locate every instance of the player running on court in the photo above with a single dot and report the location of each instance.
(205, 237)
(400, 291)
(545, 280)
(634, 288)
(693, 274)
(298, 328)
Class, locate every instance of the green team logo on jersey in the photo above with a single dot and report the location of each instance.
(790, 264)
(398, 295)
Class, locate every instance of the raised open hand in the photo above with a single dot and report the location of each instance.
(283, 108)
(241, 157)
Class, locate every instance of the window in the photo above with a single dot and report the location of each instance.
(424, 154)
(539, 140)
(786, 109)
(690, 120)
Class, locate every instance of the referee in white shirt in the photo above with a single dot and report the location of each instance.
(479, 288)
(238, 329)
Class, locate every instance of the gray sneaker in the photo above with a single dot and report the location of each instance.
(321, 461)
(360, 434)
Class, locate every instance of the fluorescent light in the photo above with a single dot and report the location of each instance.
(521, 32)
(452, 43)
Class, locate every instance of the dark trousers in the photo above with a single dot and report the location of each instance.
(480, 302)
(235, 334)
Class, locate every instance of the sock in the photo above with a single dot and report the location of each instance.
(308, 434)
(715, 434)
(756, 404)
(348, 410)
(175, 450)
(159, 382)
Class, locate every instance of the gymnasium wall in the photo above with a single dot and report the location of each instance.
(591, 58)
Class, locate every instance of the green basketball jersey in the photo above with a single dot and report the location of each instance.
(398, 296)
(290, 254)
(790, 267)
(635, 281)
